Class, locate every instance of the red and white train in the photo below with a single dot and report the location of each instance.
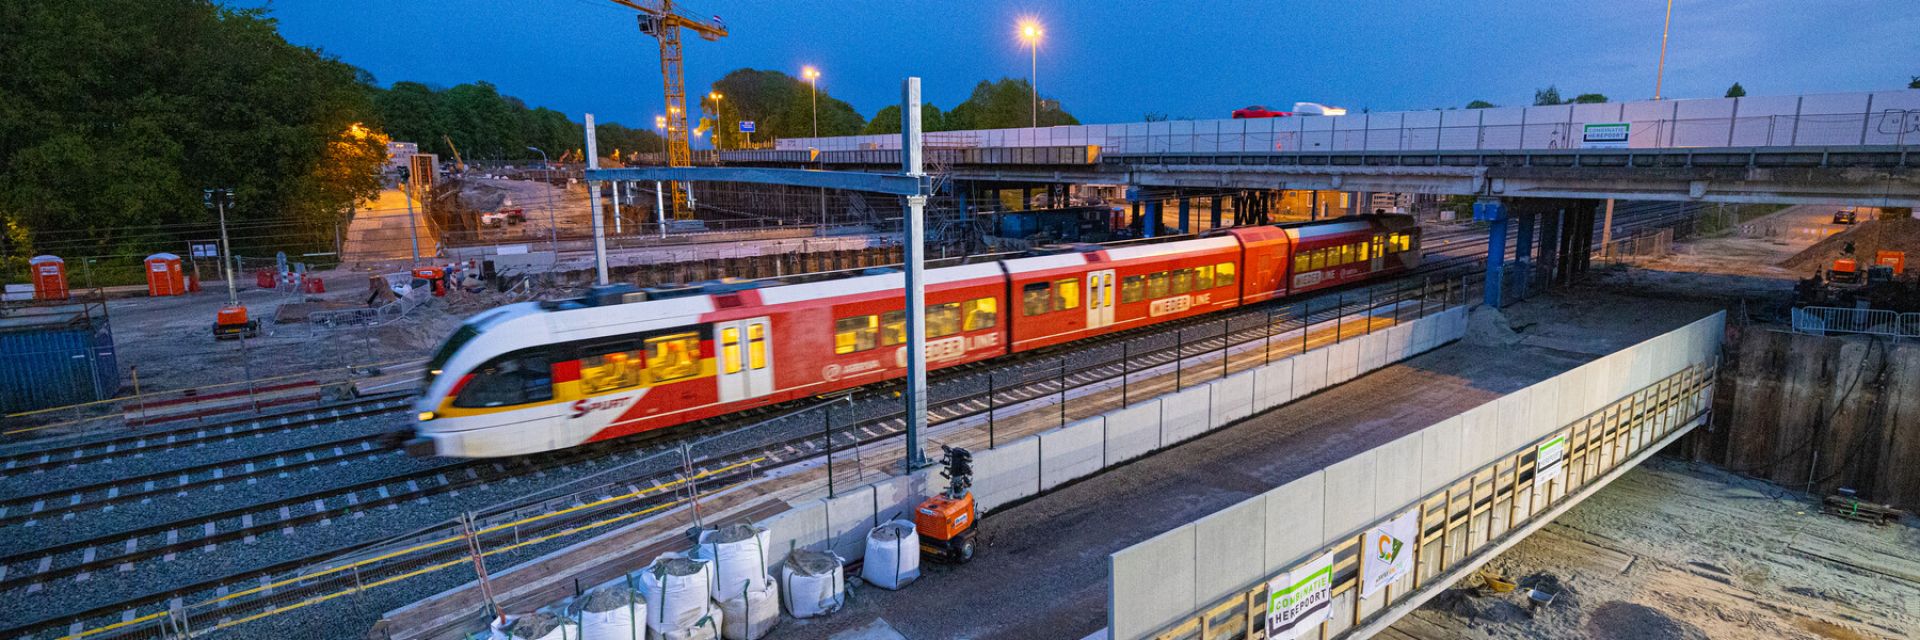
(532, 377)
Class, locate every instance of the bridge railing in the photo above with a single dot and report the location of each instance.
(1878, 119)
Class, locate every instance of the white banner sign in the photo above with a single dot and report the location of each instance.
(1549, 462)
(1299, 600)
(1605, 135)
(1388, 554)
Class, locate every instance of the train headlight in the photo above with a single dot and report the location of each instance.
(426, 415)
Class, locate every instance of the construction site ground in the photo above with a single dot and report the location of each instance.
(1747, 262)
(1041, 569)
(1683, 551)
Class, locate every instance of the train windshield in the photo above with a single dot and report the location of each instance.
(465, 334)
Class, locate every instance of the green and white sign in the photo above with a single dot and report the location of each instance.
(1549, 461)
(1605, 135)
(1388, 554)
(1299, 600)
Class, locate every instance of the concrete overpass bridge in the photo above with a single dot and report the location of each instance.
(1857, 148)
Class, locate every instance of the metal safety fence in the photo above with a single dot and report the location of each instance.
(1827, 321)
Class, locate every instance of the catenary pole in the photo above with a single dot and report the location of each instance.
(915, 250)
(593, 196)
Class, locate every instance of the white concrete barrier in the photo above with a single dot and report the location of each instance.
(1006, 473)
(1133, 432)
(1160, 572)
(1073, 452)
(1229, 549)
(1309, 372)
(1273, 385)
(1185, 414)
(1232, 398)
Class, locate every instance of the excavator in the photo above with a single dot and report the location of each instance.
(947, 522)
(459, 166)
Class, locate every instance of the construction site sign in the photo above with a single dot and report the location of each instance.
(1605, 135)
(1388, 554)
(1549, 461)
(1299, 600)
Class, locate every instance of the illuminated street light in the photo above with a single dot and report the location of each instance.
(1030, 31)
(719, 117)
(813, 78)
(659, 122)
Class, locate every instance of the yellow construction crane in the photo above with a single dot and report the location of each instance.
(663, 20)
(458, 164)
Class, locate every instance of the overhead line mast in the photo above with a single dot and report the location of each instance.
(663, 20)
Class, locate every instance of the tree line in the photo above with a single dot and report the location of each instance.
(782, 106)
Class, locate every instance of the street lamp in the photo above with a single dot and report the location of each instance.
(553, 230)
(719, 118)
(1030, 32)
(813, 78)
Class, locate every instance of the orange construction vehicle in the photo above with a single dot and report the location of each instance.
(1895, 260)
(1844, 271)
(947, 522)
(232, 322)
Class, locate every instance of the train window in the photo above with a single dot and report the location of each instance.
(1106, 289)
(1404, 240)
(981, 313)
(757, 345)
(1319, 259)
(673, 357)
(508, 381)
(1203, 278)
(1133, 289)
(1302, 262)
(1157, 285)
(1182, 281)
(854, 334)
(893, 328)
(610, 370)
(1036, 298)
(943, 320)
(1223, 275)
(730, 349)
(466, 333)
(1066, 294)
(1365, 252)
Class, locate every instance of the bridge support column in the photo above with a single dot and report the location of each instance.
(1213, 211)
(1495, 213)
(1546, 271)
(1151, 226)
(1523, 250)
(1186, 213)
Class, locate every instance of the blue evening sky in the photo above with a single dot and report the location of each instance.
(1113, 61)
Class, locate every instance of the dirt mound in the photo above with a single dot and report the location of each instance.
(1868, 237)
(1488, 327)
(1619, 620)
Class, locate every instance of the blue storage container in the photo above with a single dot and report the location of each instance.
(56, 355)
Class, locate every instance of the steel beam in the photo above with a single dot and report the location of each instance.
(894, 184)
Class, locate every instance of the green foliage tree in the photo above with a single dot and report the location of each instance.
(1006, 104)
(1736, 91)
(486, 125)
(1914, 83)
(1590, 98)
(1481, 104)
(1547, 96)
(114, 114)
(887, 120)
(780, 105)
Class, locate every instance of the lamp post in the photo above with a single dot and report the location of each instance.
(719, 118)
(1030, 32)
(813, 79)
(1660, 72)
(553, 229)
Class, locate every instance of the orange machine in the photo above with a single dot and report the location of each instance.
(1897, 260)
(436, 277)
(948, 523)
(232, 322)
(1844, 271)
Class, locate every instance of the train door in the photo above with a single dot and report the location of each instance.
(1099, 299)
(1378, 258)
(746, 358)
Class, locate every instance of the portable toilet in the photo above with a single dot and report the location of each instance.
(164, 276)
(49, 277)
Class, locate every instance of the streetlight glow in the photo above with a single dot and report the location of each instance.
(809, 72)
(1030, 31)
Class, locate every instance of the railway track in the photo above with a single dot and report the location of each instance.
(82, 557)
(43, 455)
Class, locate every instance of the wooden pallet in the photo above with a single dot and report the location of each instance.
(1854, 509)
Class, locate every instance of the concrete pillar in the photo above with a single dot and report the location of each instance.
(1523, 249)
(1313, 205)
(1026, 198)
(1186, 214)
(1550, 243)
(1496, 255)
(1151, 227)
(1213, 208)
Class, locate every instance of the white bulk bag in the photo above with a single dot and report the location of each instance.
(751, 614)
(893, 555)
(675, 587)
(739, 556)
(706, 628)
(611, 612)
(543, 625)
(813, 582)
(497, 626)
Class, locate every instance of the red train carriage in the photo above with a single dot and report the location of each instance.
(540, 376)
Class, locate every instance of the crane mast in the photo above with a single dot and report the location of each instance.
(662, 20)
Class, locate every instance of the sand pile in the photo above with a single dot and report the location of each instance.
(1868, 237)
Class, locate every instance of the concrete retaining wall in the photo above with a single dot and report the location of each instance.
(1166, 579)
(1023, 468)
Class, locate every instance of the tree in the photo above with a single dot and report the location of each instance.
(1006, 104)
(1155, 116)
(1736, 91)
(780, 105)
(1481, 104)
(888, 120)
(1914, 84)
(1547, 96)
(484, 124)
(1590, 98)
(115, 114)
